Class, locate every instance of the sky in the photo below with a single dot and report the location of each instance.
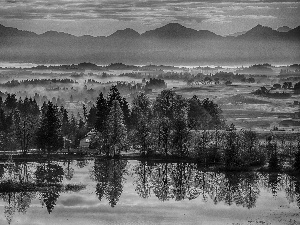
(104, 17)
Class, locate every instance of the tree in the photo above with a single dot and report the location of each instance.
(198, 117)
(113, 94)
(287, 85)
(50, 174)
(164, 104)
(297, 157)
(272, 150)
(25, 130)
(126, 112)
(171, 121)
(92, 117)
(297, 88)
(49, 135)
(109, 176)
(231, 151)
(65, 125)
(140, 117)
(117, 133)
(215, 112)
(162, 134)
(10, 102)
(180, 126)
(101, 113)
(276, 86)
(142, 180)
(161, 181)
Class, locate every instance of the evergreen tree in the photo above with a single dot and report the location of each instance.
(101, 113)
(113, 94)
(92, 117)
(126, 111)
(297, 157)
(116, 129)
(65, 125)
(49, 132)
(84, 113)
(10, 102)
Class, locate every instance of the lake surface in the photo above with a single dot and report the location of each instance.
(134, 192)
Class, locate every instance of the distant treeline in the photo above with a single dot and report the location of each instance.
(263, 91)
(16, 83)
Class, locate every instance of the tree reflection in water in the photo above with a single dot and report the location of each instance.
(16, 201)
(181, 181)
(109, 175)
(69, 171)
(49, 175)
(165, 181)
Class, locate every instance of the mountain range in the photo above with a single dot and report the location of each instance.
(172, 43)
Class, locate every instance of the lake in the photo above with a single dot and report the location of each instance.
(98, 191)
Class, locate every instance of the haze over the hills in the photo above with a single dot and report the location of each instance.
(172, 44)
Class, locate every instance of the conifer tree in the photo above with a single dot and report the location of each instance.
(297, 157)
(91, 118)
(101, 113)
(113, 94)
(126, 111)
(65, 125)
(116, 129)
(49, 133)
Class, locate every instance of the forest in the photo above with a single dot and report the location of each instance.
(169, 127)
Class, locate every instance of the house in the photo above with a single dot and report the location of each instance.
(85, 142)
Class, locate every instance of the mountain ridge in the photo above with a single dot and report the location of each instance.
(171, 30)
(167, 44)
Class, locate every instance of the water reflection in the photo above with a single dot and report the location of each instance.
(49, 175)
(109, 175)
(22, 182)
(181, 181)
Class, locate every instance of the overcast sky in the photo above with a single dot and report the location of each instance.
(103, 17)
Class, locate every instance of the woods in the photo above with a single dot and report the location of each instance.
(169, 126)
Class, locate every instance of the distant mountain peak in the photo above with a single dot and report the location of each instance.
(260, 31)
(126, 33)
(171, 30)
(52, 33)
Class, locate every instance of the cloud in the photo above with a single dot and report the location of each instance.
(145, 11)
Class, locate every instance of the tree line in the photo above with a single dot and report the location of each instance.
(169, 126)
(15, 83)
(163, 125)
